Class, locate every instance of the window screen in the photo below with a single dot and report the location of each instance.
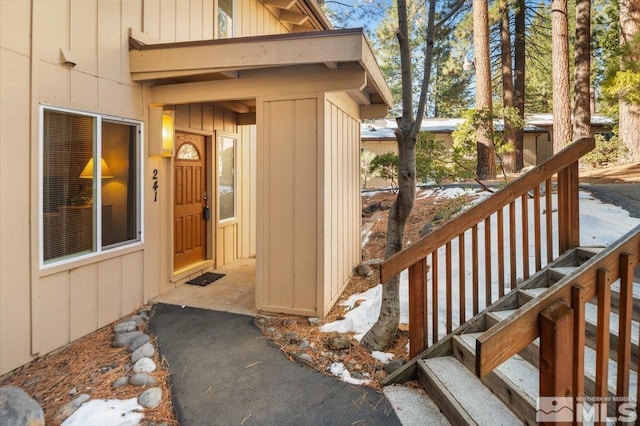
(72, 223)
(227, 178)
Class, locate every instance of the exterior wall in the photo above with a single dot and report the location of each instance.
(287, 202)
(342, 209)
(190, 20)
(42, 310)
(247, 197)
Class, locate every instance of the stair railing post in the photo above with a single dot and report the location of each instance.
(556, 357)
(418, 308)
(568, 208)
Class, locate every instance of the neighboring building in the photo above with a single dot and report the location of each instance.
(378, 137)
(223, 129)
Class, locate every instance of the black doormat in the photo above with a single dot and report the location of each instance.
(205, 279)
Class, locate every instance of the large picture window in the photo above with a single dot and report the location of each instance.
(90, 184)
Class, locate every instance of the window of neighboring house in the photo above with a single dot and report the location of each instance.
(88, 161)
(225, 18)
(226, 177)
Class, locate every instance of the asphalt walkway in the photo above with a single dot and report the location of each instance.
(224, 372)
(625, 195)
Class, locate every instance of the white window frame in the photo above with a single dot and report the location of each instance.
(219, 137)
(98, 195)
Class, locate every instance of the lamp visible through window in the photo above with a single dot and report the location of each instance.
(87, 172)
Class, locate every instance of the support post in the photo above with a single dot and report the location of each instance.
(417, 308)
(556, 351)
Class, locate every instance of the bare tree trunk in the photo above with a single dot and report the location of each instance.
(582, 86)
(486, 168)
(562, 131)
(381, 335)
(518, 78)
(629, 113)
(508, 132)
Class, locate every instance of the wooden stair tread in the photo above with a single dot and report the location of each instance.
(516, 369)
(591, 316)
(467, 392)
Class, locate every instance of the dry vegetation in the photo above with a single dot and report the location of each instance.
(90, 365)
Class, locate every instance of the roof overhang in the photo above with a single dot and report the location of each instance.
(341, 60)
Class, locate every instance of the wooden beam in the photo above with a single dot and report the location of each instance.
(250, 88)
(369, 112)
(280, 4)
(294, 18)
(238, 107)
(252, 52)
(245, 119)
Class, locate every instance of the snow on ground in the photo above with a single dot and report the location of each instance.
(600, 225)
(338, 369)
(110, 412)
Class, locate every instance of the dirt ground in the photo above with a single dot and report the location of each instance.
(90, 365)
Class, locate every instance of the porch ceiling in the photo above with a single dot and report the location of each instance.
(334, 55)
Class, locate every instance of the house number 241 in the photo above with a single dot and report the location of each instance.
(155, 185)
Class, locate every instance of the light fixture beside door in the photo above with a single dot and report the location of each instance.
(161, 131)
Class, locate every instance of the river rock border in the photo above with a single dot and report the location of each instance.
(127, 334)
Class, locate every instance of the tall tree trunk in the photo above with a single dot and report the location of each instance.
(518, 78)
(486, 168)
(562, 131)
(381, 335)
(629, 113)
(582, 86)
(508, 132)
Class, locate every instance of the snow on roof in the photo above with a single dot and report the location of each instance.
(383, 129)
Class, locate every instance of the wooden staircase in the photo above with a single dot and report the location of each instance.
(508, 394)
(548, 318)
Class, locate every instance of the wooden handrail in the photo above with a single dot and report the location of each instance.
(456, 226)
(512, 335)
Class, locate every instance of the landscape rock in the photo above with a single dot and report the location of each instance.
(122, 381)
(291, 338)
(142, 379)
(339, 342)
(261, 321)
(124, 339)
(146, 350)
(150, 398)
(306, 358)
(125, 326)
(18, 408)
(357, 375)
(313, 321)
(304, 345)
(271, 330)
(135, 318)
(71, 407)
(144, 365)
(138, 341)
(372, 262)
(394, 365)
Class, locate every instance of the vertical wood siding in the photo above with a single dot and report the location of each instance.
(342, 211)
(287, 200)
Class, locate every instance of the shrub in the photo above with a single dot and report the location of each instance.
(606, 151)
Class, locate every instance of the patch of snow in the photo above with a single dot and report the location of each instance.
(600, 224)
(338, 369)
(107, 412)
(361, 318)
(383, 357)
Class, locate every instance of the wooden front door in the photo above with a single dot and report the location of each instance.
(190, 242)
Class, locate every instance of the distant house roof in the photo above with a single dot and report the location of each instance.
(536, 123)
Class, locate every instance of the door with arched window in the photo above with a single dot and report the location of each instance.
(189, 227)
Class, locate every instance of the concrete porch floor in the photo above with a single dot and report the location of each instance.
(235, 292)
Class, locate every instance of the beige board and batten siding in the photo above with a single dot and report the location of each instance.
(288, 204)
(41, 311)
(341, 221)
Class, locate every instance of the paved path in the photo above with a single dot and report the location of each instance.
(625, 195)
(224, 372)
